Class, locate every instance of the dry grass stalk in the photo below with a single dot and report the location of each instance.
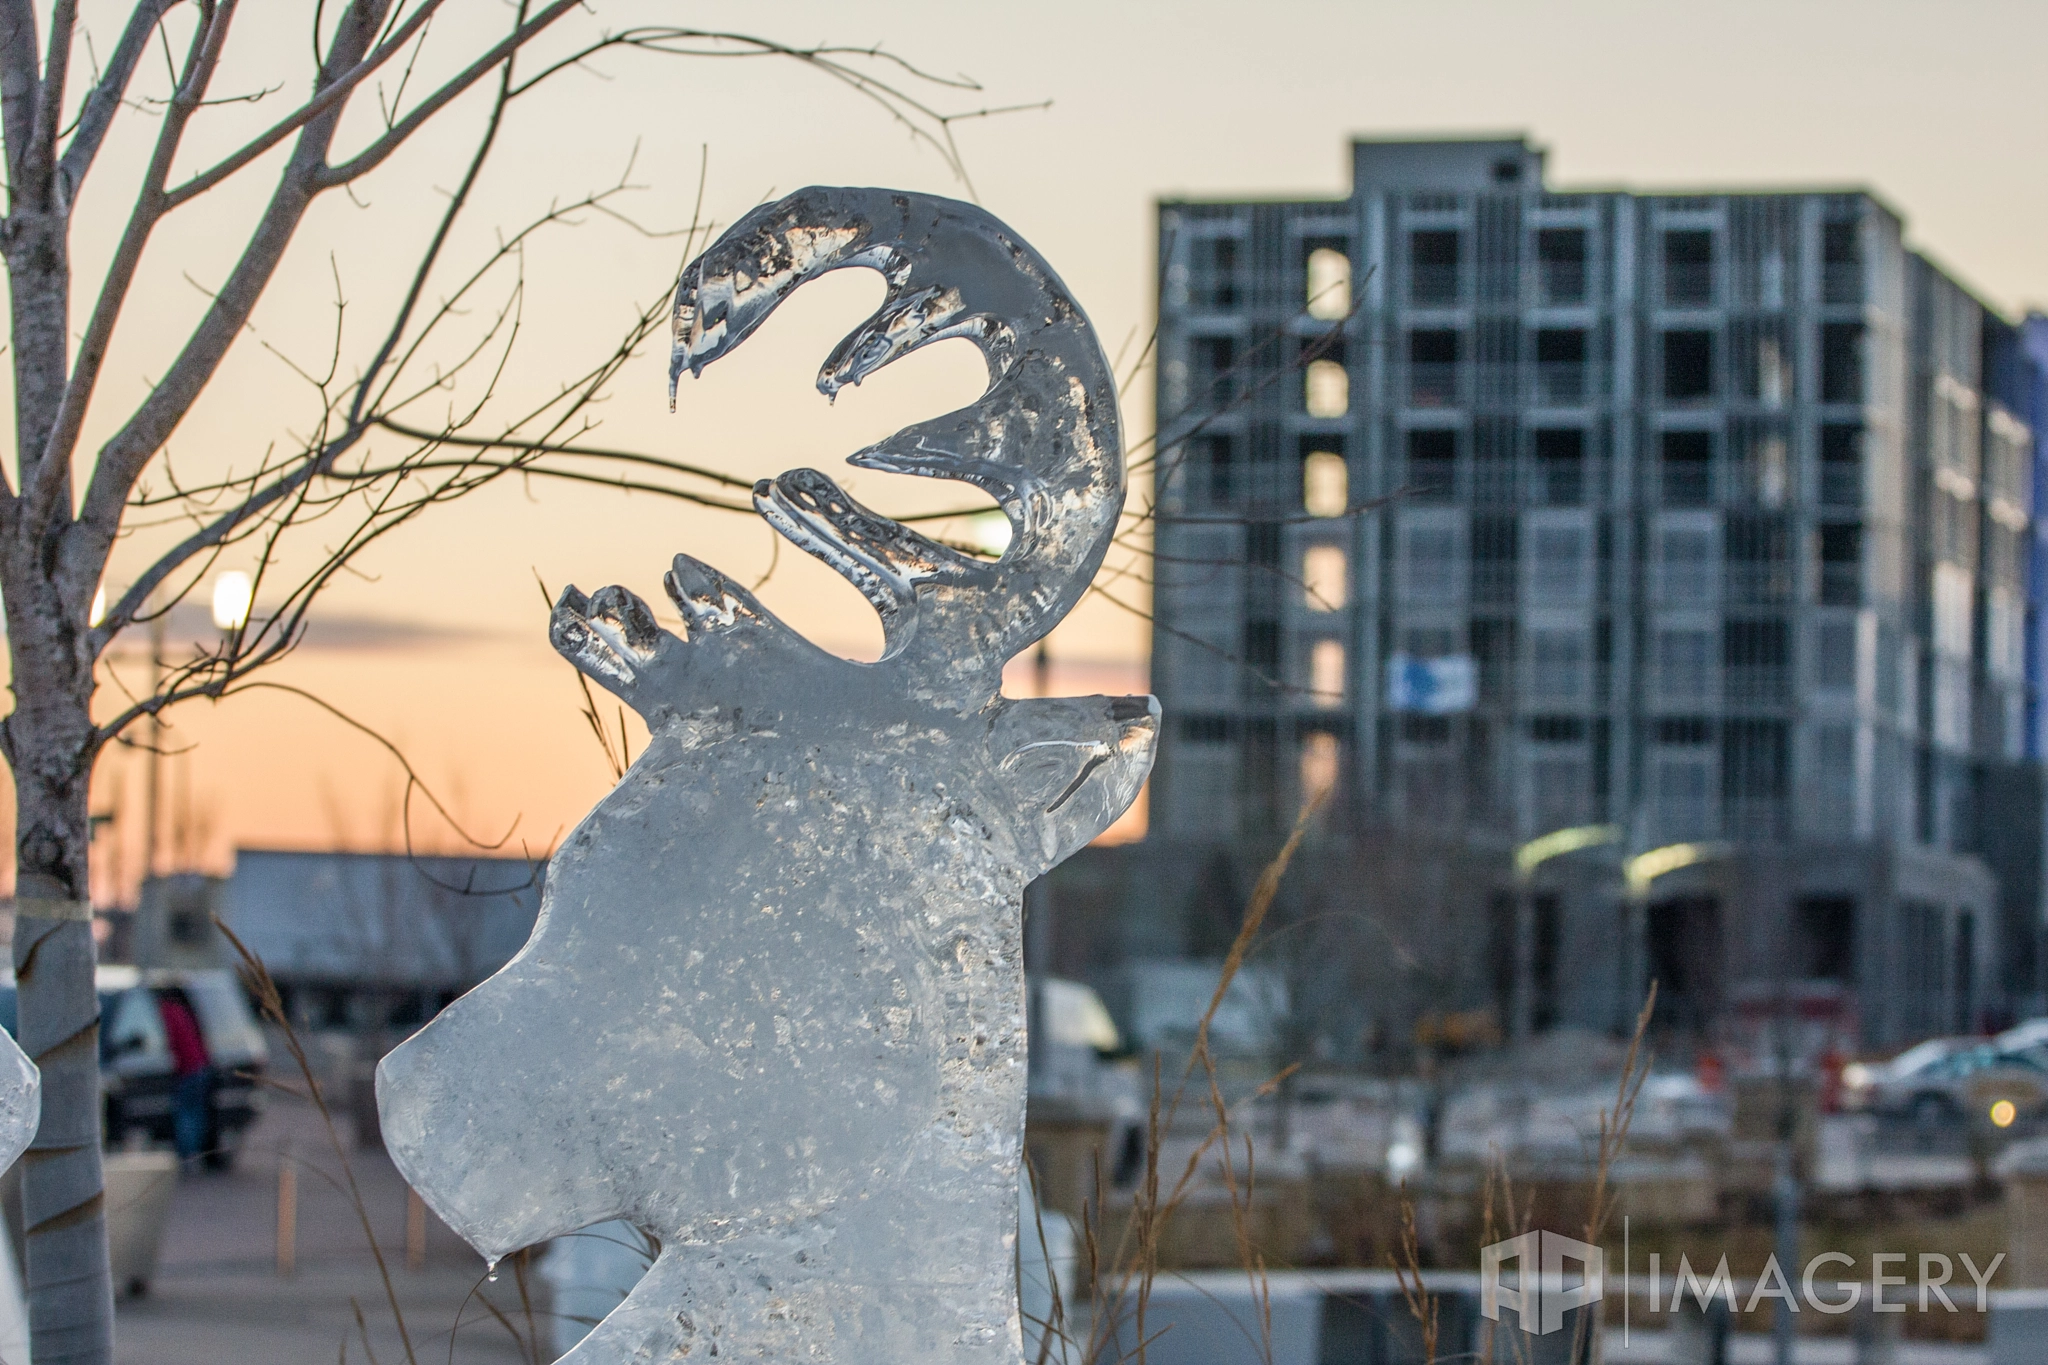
(1121, 1282)
(257, 979)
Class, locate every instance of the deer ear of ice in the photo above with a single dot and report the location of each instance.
(21, 1101)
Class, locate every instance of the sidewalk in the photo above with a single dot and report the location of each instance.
(217, 1296)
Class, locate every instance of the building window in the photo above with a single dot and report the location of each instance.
(1212, 468)
(1496, 557)
(1841, 262)
(1685, 472)
(1325, 484)
(1772, 386)
(1841, 465)
(1262, 646)
(1433, 369)
(1561, 265)
(1319, 760)
(1561, 372)
(1213, 360)
(1326, 673)
(1681, 796)
(1325, 577)
(1834, 656)
(1433, 267)
(1827, 938)
(1841, 564)
(1558, 672)
(1430, 561)
(1754, 772)
(1689, 367)
(1560, 569)
(1198, 729)
(1681, 666)
(1756, 661)
(1432, 474)
(1759, 557)
(1841, 362)
(1684, 568)
(1560, 466)
(1688, 268)
(1326, 389)
(1832, 800)
(1212, 273)
(1327, 284)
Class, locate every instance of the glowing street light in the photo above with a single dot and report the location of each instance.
(233, 594)
(1557, 843)
(1645, 868)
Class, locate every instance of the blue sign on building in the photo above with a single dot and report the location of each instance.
(1434, 687)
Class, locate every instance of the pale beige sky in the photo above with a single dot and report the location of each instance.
(1940, 108)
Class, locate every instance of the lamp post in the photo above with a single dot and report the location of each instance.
(1641, 872)
(1529, 857)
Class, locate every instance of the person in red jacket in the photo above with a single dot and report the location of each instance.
(192, 1070)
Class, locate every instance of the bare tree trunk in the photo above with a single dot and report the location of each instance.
(50, 743)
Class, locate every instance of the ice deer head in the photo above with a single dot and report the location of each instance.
(773, 1008)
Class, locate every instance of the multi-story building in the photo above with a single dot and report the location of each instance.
(1708, 517)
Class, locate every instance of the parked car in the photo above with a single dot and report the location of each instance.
(2031, 1036)
(1950, 1080)
(136, 1074)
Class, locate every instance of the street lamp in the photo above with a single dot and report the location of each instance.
(233, 594)
(1645, 868)
(1529, 857)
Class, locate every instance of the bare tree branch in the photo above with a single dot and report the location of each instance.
(19, 84)
(53, 460)
(370, 157)
(97, 114)
(332, 91)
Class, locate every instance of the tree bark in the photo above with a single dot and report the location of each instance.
(50, 743)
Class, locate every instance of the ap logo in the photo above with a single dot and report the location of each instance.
(1540, 1299)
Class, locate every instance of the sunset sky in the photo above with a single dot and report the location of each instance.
(439, 641)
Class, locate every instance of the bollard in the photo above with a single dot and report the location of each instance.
(415, 1230)
(287, 1214)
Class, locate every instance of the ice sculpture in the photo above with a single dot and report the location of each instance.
(21, 1101)
(773, 1010)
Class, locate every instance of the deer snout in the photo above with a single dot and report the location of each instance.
(458, 1103)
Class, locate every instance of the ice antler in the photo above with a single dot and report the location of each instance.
(1043, 440)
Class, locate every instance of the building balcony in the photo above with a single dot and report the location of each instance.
(1560, 283)
(1562, 383)
(1756, 686)
(1841, 584)
(1688, 285)
(1841, 282)
(1841, 484)
(1433, 384)
(1433, 286)
(1759, 583)
(1682, 691)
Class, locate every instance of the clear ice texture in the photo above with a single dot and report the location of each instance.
(21, 1101)
(772, 1013)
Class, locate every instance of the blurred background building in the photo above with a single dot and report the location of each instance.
(1712, 519)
